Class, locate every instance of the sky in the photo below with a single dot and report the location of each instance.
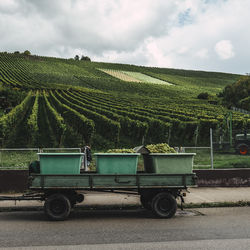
(210, 35)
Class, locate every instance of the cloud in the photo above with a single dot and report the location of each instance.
(155, 55)
(8, 6)
(202, 53)
(191, 34)
(224, 49)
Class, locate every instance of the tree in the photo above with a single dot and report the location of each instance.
(237, 94)
(85, 58)
(27, 53)
(76, 57)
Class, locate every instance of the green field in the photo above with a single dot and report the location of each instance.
(68, 103)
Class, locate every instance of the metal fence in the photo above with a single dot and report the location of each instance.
(206, 158)
(20, 158)
(240, 110)
(203, 158)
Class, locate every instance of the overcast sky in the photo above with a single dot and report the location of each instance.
(210, 35)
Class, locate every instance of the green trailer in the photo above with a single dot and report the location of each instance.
(62, 191)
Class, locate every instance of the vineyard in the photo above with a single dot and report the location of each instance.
(68, 103)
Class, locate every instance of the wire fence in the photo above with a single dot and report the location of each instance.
(202, 159)
(20, 158)
(240, 110)
(205, 158)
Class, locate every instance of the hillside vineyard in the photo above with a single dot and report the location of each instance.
(68, 103)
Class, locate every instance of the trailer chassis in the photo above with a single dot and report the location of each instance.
(60, 193)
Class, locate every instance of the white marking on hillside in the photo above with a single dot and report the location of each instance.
(130, 76)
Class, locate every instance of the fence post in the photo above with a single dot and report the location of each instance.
(211, 148)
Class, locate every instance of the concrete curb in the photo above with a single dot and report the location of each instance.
(107, 207)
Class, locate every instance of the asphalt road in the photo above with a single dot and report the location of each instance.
(213, 228)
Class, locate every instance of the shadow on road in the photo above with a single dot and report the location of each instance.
(81, 214)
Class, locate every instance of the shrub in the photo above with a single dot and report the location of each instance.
(85, 58)
(203, 95)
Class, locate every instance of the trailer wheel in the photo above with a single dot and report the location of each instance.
(164, 205)
(146, 202)
(57, 207)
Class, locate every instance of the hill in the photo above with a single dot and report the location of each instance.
(67, 103)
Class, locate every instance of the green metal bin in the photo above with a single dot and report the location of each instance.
(116, 163)
(173, 163)
(60, 163)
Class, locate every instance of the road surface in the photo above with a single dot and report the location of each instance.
(210, 228)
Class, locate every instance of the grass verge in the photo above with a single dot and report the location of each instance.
(217, 204)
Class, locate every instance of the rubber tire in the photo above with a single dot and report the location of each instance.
(57, 207)
(243, 150)
(164, 205)
(72, 204)
(146, 202)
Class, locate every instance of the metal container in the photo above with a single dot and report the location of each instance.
(116, 163)
(60, 163)
(173, 163)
